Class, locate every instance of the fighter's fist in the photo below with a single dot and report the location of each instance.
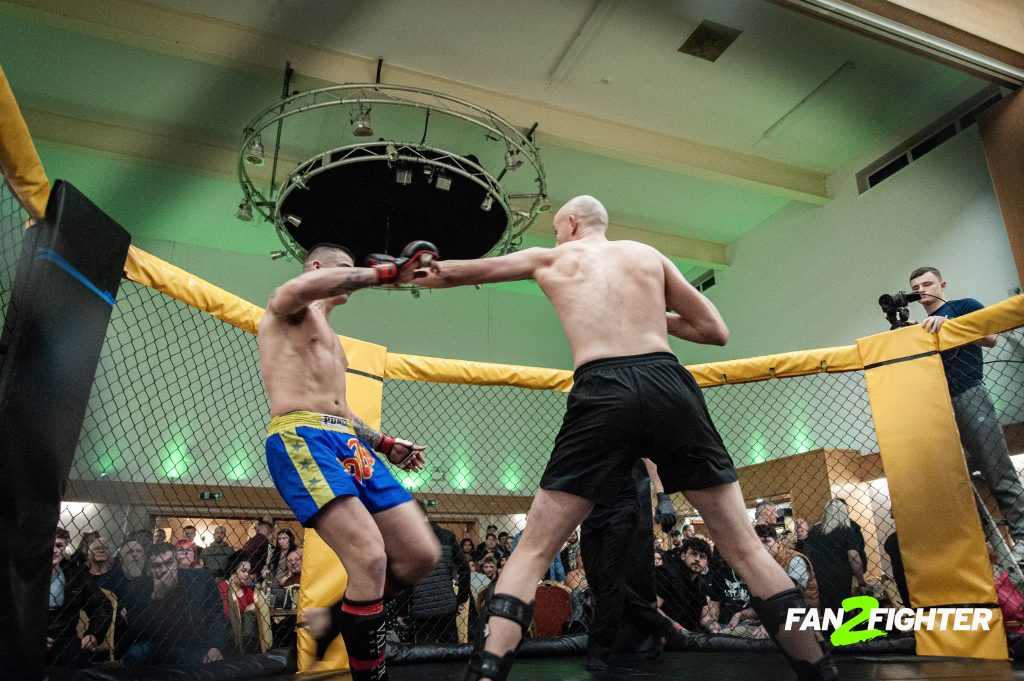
(391, 270)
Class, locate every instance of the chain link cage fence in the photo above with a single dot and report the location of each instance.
(169, 478)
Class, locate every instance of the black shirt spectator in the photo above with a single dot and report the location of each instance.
(71, 593)
(174, 616)
(432, 602)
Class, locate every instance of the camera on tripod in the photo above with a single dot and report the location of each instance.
(894, 305)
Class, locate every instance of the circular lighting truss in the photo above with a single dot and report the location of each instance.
(388, 164)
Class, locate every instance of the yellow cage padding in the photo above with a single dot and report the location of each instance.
(18, 158)
(925, 462)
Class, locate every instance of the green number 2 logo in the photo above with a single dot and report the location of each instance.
(844, 635)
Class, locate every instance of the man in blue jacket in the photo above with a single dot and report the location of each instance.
(976, 418)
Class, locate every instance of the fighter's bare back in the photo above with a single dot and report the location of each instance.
(609, 296)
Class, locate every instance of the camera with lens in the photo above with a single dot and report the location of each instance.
(894, 305)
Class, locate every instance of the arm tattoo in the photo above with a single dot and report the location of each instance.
(366, 432)
(357, 278)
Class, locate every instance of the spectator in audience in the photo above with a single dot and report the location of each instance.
(238, 581)
(216, 555)
(680, 586)
(834, 551)
(689, 531)
(803, 530)
(675, 551)
(237, 585)
(159, 536)
(1011, 602)
(569, 554)
(187, 554)
(797, 565)
(659, 544)
(99, 562)
(468, 549)
(129, 566)
(489, 567)
(727, 593)
(859, 533)
(294, 561)
(257, 548)
(766, 513)
(489, 546)
(892, 548)
(491, 529)
(71, 593)
(174, 616)
(659, 558)
(507, 544)
(189, 532)
(433, 603)
(80, 558)
(277, 569)
(504, 540)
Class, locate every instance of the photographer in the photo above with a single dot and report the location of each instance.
(976, 418)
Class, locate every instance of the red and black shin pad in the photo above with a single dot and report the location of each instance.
(362, 627)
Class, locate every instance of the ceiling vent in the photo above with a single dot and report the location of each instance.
(936, 134)
(704, 281)
(709, 40)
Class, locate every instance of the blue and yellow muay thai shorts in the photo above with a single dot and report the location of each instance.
(314, 458)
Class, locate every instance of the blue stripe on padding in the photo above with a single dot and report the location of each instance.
(52, 256)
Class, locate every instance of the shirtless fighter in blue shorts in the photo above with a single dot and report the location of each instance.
(321, 455)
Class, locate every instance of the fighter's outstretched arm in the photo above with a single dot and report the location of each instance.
(294, 295)
(694, 317)
(512, 267)
(405, 454)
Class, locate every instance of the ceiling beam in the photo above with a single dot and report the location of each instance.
(219, 42)
(217, 160)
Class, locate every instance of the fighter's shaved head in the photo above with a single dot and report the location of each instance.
(328, 254)
(588, 211)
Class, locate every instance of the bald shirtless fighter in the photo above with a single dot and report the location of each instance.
(630, 398)
(320, 454)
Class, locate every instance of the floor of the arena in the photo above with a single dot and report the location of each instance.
(713, 667)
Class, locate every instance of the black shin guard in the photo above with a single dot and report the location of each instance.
(486, 665)
(361, 624)
(803, 649)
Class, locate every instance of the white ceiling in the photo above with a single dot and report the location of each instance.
(693, 154)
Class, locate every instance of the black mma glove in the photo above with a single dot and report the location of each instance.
(665, 512)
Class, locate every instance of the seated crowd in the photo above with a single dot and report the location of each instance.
(153, 602)
(179, 603)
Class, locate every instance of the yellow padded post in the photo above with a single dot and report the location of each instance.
(946, 562)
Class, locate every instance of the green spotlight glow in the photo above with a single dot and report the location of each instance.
(758, 449)
(107, 462)
(412, 480)
(511, 477)
(462, 479)
(174, 458)
(237, 467)
(800, 438)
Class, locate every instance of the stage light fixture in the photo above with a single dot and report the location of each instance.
(254, 153)
(361, 124)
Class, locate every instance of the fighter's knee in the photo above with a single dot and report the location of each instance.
(426, 556)
(373, 562)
